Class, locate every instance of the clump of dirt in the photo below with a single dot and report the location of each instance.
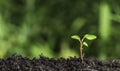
(19, 63)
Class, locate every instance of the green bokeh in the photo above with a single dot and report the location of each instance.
(34, 27)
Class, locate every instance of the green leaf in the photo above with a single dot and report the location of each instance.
(76, 37)
(90, 37)
(84, 43)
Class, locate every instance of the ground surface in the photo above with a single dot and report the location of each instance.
(18, 63)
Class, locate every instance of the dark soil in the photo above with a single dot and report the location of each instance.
(19, 63)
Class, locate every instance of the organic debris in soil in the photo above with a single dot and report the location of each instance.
(19, 63)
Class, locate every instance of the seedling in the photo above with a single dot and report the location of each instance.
(82, 42)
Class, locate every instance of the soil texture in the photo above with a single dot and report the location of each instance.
(19, 63)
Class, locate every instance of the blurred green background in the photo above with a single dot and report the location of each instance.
(32, 27)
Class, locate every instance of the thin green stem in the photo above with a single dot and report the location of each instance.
(81, 55)
(83, 38)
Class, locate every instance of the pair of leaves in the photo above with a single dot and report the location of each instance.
(87, 36)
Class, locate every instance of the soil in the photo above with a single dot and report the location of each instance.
(19, 63)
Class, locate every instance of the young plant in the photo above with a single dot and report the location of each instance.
(82, 42)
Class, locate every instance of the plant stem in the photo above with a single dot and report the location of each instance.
(81, 55)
